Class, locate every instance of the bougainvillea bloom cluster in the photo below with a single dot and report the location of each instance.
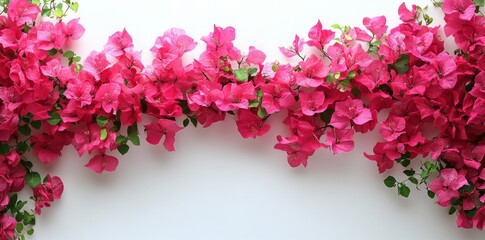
(433, 101)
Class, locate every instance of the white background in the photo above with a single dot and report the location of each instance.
(218, 185)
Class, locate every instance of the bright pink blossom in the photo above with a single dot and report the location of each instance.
(446, 186)
(376, 25)
(312, 103)
(319, 37)
(235, 96)
(295, 48)
(72, 30)
(464, 8)
(47, 192)
(341, 140)
(255, 56)
(119, 43)
(313, 72)
(7, 227)
(250, 125)
(107, 95)
(102, 162)
(407, 15)
(22, 12)
(164, 127)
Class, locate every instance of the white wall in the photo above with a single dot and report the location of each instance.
(218, 185)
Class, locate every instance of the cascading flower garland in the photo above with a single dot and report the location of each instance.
(344, 78)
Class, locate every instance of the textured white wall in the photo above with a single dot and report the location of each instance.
(218, 185)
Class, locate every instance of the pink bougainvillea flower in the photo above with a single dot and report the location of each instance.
(102, 162)
(374, 75)
(119, 43)
(95, 64)
(47, 147)
(255, 56)
(8, 124)
(319, 37)
(47, 192)
(313, 72)
(295, 48)
(340, 140)
(22, 12)
(250, 125)
(313, 102)
(220, 42)
(7, 227)
(72, 30)
(407, 15)
(235, 96)
(446, 186)
(276, 97)
(350, 111)
(50, 36)
(443, 69)
(376, 25)
(392, 128)
(107, 95)
(464, 8)
(164, 127)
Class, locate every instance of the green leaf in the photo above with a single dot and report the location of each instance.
(452, 210)
(409, 172)
(186, 122)
(33, 179)
(4, 148)
(103, 134)
(351, 75)
(404, 191)
(262, 112)
(336, 75)
(123, 149)
(253, 103)
(355, 91)
(22, 147)
(345, 83)
(74, 6)
(336, 26)
(470, 213)
(259, 93)
(402, 64)
(326, 116)
(36, 124)
(431, 194)
(77, 59)
(19, 228)
(390, 181)
(479, 3)
(193, 120)
(30, 232)
(19, 205)
(241, 74)
(133, 134)
(69, 54)
(413, 180)
(37, 2)
(24, 130)
(438, 4)
(46, 12)
(121, 139)
(55, 119)
(52, 52)
(405, 162)
(252, 72)
(102, 120)
(467, 188)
